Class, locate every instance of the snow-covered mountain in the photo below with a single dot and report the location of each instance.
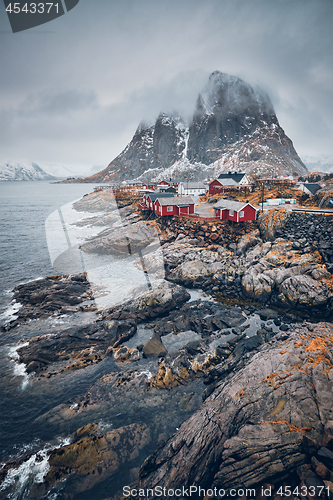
(62, 172)
(153, 147)
(23, 171)
(321, 163)
(234, 128)
(59, 171)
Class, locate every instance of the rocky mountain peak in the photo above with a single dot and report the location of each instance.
(227, 109)
(234, 127)
(152, 148)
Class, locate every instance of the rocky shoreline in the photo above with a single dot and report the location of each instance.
(51, 296)
(265, 416)
(244, 372)
(236, 440)
(291, 274)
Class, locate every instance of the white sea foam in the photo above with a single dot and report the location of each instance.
(199, 295)
(59, 320)
(147, 373)
(31, 471)
(19, 368)
(10, 313)
(103, 426)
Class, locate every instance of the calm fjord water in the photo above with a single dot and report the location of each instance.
(24, 208)
(24, 256)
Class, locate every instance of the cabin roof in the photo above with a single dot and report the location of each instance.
(229, 182)
(154, 196)
(193, 185)
(312, 187)
(231, 205)
(236, 177)
(177, 200)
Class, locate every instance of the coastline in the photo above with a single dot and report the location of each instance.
(144, 376)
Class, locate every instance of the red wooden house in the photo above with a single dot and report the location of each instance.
(227, 182)
(234, 210)
(177, 205)
(150, 198)
(215, 187)
(150, 185)
(170, 182)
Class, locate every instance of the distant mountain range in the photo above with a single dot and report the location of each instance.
(234, 128)
(23, 171)
(320, 163)
(30, 171)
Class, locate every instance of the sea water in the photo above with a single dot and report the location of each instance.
(39, 237)
(24, 209)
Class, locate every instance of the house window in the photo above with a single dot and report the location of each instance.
(231, 212)
(169, 209)
(241, 214)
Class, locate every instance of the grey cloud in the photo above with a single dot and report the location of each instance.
(117, 63)
(58, 103)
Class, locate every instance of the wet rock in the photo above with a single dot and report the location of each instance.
(267, 313)
(326, 456)
(51, 296)
(321, 469)
(200, 317)
(171, 376)
(94, 457)
(76, 347)
(154, 348)
(124, 353)
(192, 347)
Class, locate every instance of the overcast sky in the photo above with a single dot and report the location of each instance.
(74, 90)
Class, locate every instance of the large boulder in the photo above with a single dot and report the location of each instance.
(303, 291)
(94, 456)
(154, 348)
(257, 285)
(54, 295)
(191, 271)
(126, 240)
(270, 221)
(74, 348)
(247, 241)
(158, 301)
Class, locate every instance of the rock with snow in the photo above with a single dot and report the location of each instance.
(227, 109)
(23, 171)
(234, 127)
(153, 147)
